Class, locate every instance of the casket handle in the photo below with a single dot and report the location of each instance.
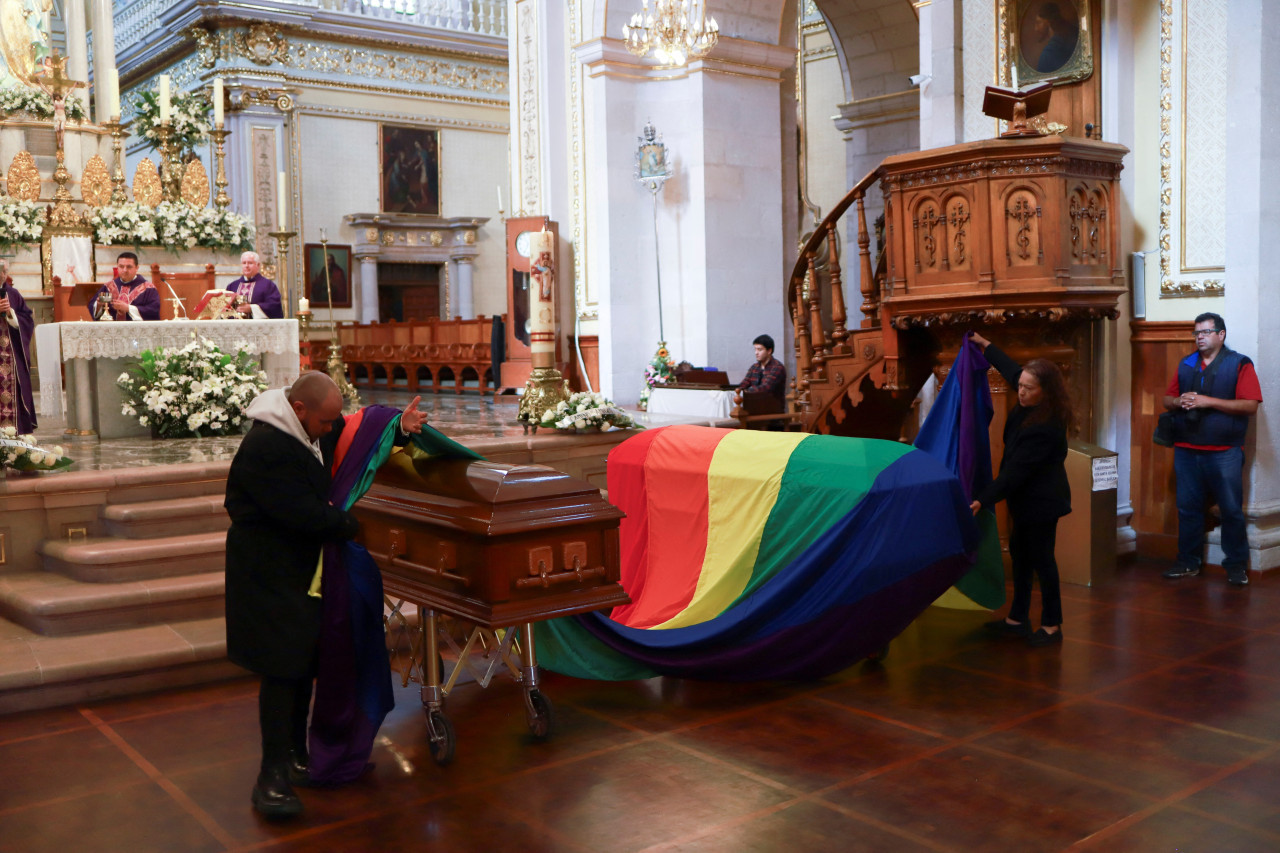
(545, 578)
(441, 571)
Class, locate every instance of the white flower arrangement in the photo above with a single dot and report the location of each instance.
(20, 222)
(188, 120)
(196, 390)
(21, 453)
(174, 226)
(586, 411)
(36, 103)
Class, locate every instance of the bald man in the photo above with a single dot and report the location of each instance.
(277, 497)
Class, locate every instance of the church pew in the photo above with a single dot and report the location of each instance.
(426, 355)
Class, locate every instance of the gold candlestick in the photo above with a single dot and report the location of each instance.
(221, 200)
(336, 368)
(282, 272)
(119, 189)
(171, 170)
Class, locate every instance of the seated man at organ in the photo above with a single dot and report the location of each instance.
(766, 376)
(129, 295)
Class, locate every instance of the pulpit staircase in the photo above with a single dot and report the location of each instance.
(1017, 238)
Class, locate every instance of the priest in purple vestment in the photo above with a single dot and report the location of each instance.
(16, 406)
(132, 297)
(261, 297)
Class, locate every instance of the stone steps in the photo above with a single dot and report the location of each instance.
(52, 604)
(174, 517)
(109, 560)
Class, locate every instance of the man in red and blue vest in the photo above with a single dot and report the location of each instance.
(1215, 391)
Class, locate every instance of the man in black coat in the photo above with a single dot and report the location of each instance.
(277, 497)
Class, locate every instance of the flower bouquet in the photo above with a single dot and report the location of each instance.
(36, 103)
(194, 391)
(127, 224)
(188, 120)
(586, 412)
(174, 226)
(21, 453)
(21, 222)
(660, 370)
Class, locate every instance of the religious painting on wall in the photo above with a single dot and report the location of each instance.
(410, 158)
(339, 275)
(1051, 41)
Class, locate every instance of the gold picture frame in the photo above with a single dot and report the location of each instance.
(1052, 41)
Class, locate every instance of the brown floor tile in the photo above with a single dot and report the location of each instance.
(1153, 632)
(1258, 654)
(806, 826)
(164, 701)
(1074, 668)
(29, 724)
(134, 818)
(942, 699)
(966, 799)
(1231, 701)
(194, 737)
(1176, 830)
(1247, 797)
(806, 744)
(1154, 757)
(62, 766)
(633, 798)
(1209, 598)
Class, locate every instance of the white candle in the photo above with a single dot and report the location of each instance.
(304, 305)
(542, 298)
(113, 92)
(324, 235)
(217, 101)
(1015, 75)
(499, 198)
(164, 97)
(280, 201)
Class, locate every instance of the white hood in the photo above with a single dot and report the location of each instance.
(272, 407)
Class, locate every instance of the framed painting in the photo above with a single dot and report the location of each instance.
(410, 169)
(339, 275)
(1051, 41)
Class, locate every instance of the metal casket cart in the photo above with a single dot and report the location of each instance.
(494, 548)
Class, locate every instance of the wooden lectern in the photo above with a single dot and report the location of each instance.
(1016, 106)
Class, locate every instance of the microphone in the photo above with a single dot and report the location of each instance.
(177, 302)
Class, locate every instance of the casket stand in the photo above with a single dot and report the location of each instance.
(493, 547)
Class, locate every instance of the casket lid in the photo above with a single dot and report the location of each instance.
(486, 498)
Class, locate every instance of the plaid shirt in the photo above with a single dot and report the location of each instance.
(767, 378)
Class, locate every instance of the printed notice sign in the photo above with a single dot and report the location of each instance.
(1106, 473)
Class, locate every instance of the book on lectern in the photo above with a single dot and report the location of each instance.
(214, 303)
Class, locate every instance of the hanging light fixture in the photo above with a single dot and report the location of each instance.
(676, 31)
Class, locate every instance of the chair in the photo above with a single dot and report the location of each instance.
(190, 287)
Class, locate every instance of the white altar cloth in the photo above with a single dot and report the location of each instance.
(691, 401)
(276, 341)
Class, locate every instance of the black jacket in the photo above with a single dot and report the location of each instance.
(277, 497)
(1032, 476)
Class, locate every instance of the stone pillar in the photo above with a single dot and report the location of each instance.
(78, 55)
(942, 95)
(368, 288)
(463, 305)
(1253, 255)
(104, 49)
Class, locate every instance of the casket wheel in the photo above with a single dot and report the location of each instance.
(440, 737)
(541, 714)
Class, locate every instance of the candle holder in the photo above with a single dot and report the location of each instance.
(119, 191)
(221, 200)
(545, 389)
(335, 367)
(171, 172)
(282, 239)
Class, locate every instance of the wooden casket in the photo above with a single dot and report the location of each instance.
(496, 545)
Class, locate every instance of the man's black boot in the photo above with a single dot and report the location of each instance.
(273, 796)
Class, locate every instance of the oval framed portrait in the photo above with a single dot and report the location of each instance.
(1052, 41)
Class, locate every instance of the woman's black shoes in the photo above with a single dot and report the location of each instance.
(1002, 628)
(1043, 638)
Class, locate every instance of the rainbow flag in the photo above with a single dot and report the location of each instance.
(752, 555)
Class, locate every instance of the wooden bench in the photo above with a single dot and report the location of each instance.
(431, 355)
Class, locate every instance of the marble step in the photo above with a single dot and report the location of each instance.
(112, 560)
(52, 604)
(174, 517)
(45, 672)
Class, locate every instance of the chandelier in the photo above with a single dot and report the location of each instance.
(676, 31)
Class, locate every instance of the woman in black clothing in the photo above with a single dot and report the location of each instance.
(1033, 480)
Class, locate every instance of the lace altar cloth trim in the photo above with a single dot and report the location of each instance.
(124, 339)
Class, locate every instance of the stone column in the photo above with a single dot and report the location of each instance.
(463, 305)
(104, 49)
(368, 288)
(78, 54)
(942, 95)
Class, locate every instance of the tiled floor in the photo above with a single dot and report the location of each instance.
(1156, 726)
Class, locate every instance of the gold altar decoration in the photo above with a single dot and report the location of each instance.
(95, 183)
(195, 184)
(170, 167)
(17, 38)
(24, 177)
(221, 200)
(54, 81)
(146, 184)
(119, 194)
(545, 389)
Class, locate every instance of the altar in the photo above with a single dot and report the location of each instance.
(710, 403)
(97, 353)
